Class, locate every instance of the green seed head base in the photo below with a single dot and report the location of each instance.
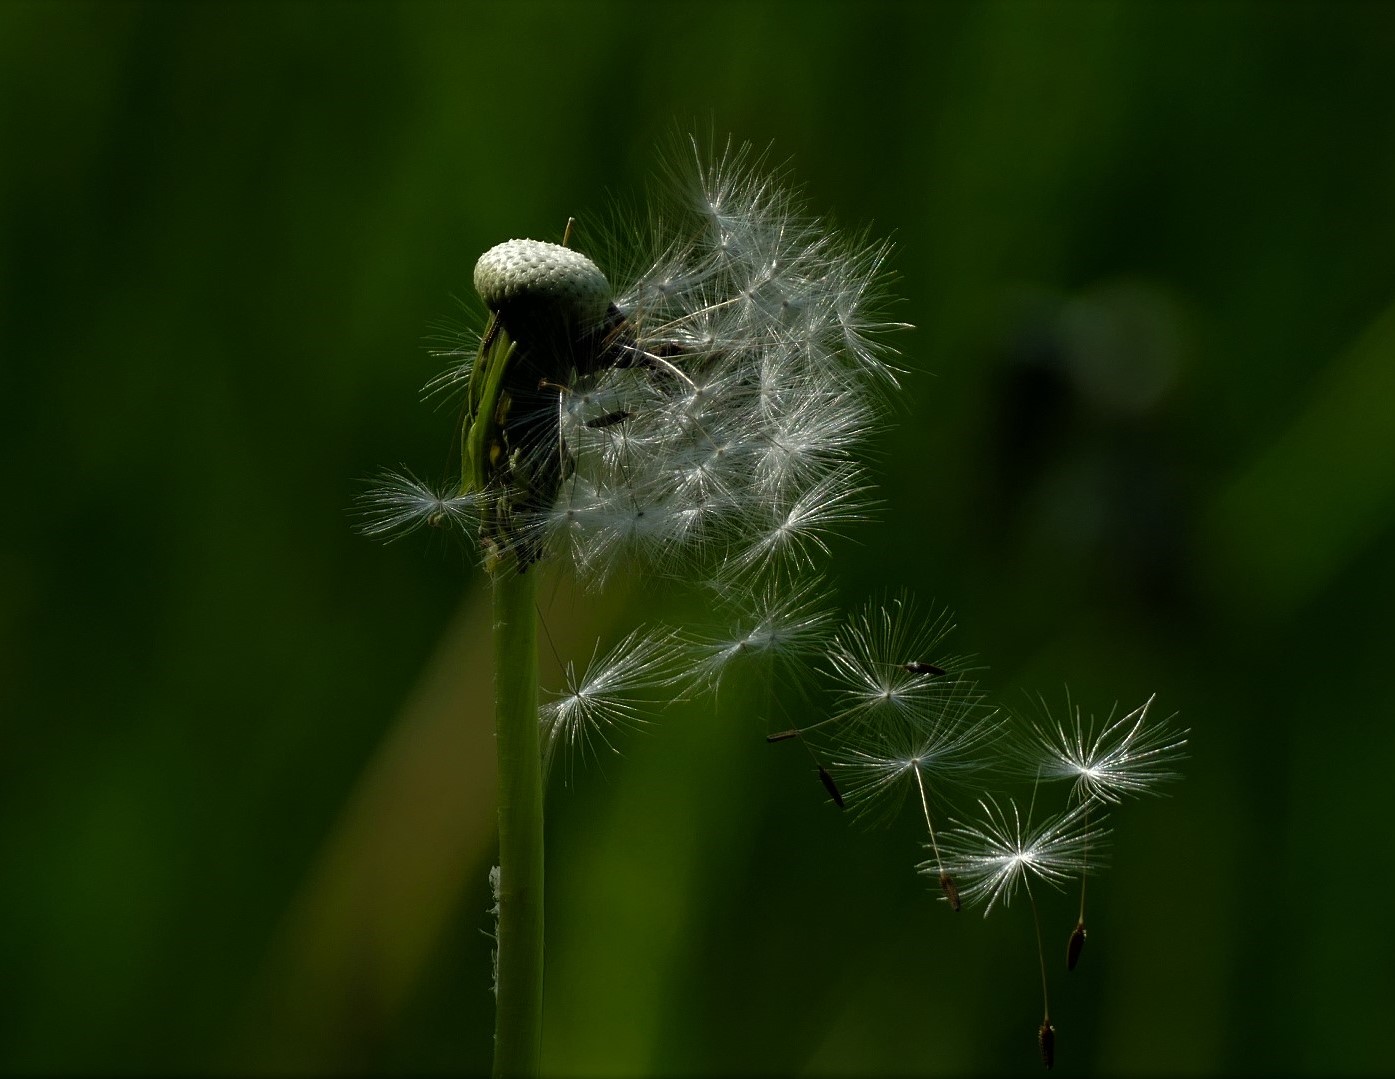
(540, 288)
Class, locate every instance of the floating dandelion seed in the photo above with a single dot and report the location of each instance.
(882, 764)
(1005, 852)
(781, 629)
(1001, 852)
(1129, 756)
(880, 660)
(892, 728)
(776, 624)
(399, 504)
(873, 680)
(613, 692)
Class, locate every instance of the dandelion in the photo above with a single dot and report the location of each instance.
(689, 398)
(1128, 756)
(692, 410)
(1003, 853)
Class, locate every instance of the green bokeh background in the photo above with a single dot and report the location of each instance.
(1147, 444)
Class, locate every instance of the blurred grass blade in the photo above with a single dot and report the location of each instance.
(1308, 505)
(390, 877)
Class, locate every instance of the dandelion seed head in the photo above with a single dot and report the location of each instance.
(539, 288)
(695, 398)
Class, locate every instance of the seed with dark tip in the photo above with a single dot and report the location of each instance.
(951, 890)
(1077, 942)
(610, 419)
(1046, 1039)
(830, 786)
(924, 668)
(783, 736)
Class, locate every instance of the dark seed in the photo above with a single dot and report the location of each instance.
(783, 736)
(1046, 1039)
(1077, 942)
(925, 668)
(830, 786)
(610, 419)
(951, 890)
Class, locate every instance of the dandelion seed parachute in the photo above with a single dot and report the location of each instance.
(779, 624)
(880, 668)
(1124, 757)
(1004, 850)
(613, 692)
(399, 503)
(884, 762)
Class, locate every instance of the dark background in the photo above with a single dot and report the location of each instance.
(245, 760)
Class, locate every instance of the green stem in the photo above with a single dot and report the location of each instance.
(519, 1003)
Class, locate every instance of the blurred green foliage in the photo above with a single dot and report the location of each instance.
(1146, 445)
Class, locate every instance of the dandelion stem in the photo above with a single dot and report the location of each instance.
(519, 1004)
(947, 884)
(1041, 954)
(1084, 868)
(1046, 1033)
(1077, 936)
(925, 808)
(1084, 864)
